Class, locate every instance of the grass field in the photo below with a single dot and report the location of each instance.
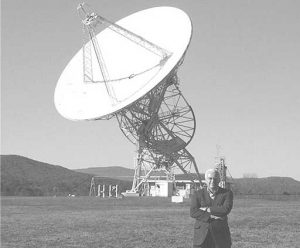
(139, 222)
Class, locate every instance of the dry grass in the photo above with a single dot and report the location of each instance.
(138, 222)
(265, 223)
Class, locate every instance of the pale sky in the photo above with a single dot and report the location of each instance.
(241, 75)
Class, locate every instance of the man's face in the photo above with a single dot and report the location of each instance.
(212, 180)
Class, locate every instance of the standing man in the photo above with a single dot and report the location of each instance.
(210, 207)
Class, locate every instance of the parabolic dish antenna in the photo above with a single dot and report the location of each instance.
(131, 69)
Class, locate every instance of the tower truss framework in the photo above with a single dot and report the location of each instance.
(162, 124)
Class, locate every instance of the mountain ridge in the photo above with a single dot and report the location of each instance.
(260, 186)
(24, 176)
(109, 171)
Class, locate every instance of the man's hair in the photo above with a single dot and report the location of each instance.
(212, 171)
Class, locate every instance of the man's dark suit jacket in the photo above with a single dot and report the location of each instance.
(220, 206)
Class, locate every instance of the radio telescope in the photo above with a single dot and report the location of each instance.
(129, 71)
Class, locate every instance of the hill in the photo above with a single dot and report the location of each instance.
(245, 186)
(266, 186)
(24, 176)
(116, 172)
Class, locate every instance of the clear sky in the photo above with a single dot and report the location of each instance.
(241, 76)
